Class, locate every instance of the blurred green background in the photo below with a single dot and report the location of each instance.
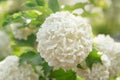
(104, 15)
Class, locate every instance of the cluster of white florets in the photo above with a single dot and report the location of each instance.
(5, 49)
(98, 72)
(21, 32)
(64, 40)
(105, 44)
(11, 70)
(112, 49)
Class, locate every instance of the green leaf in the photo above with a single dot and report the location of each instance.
(54, 5)
(3, 0)
(47, 69)
(31, 14)
(40, 2)
(31, 57)
(63, 75)
(34, 3)
(30, 3)
(19, 50)
(29, 42)
(73, 7)
(17, 17)
(92, 58)
(36, 16)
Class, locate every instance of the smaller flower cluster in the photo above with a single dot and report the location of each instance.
(11, 70)
(110, 48)
(97, 72)
(21, 32)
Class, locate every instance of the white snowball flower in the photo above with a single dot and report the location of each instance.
(64, 40)
(105, 44)
(11, 70)
(21, 33)
(112, 50)
(98, 71)
(5, 49)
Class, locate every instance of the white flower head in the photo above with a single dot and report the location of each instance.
(98, 72)
(5, 49)
(64, 40)
(21, 33)
(105, 44)
(112, 50)
(11, 70)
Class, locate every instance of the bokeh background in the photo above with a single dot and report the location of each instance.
(104, 15)
(20, 20)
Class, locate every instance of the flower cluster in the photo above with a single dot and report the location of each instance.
(98, 72)
(11, 70)
(112, 49)
(105, 44)
(21, 32)
(64, 40)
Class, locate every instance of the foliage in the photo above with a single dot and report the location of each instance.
(31, 57)
(54, 5)
(34, 14)
(93, 57)
(63, 75)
